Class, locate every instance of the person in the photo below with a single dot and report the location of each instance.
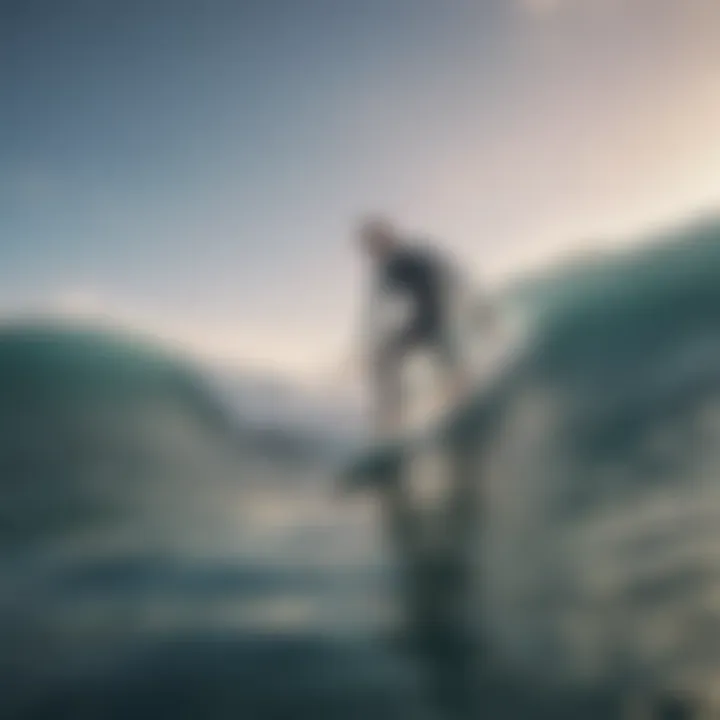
(429, 284)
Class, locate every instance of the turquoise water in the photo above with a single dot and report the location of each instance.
(161, 558)
(603, 548)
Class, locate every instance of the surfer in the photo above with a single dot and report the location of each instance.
(428, 283)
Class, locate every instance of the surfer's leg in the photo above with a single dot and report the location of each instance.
(389, 400)
(454, 367)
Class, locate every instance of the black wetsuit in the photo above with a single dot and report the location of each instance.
(421, 276)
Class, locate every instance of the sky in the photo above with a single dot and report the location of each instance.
(194, 167)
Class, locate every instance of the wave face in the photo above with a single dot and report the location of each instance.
(602, 545)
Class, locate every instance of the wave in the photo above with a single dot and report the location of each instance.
(141, 521)
(602, 546)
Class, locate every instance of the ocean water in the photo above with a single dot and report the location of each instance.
(161, 557)
(602, 546)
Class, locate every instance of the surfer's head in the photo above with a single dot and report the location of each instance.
(377, 235)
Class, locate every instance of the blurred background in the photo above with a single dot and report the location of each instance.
(178, 185)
